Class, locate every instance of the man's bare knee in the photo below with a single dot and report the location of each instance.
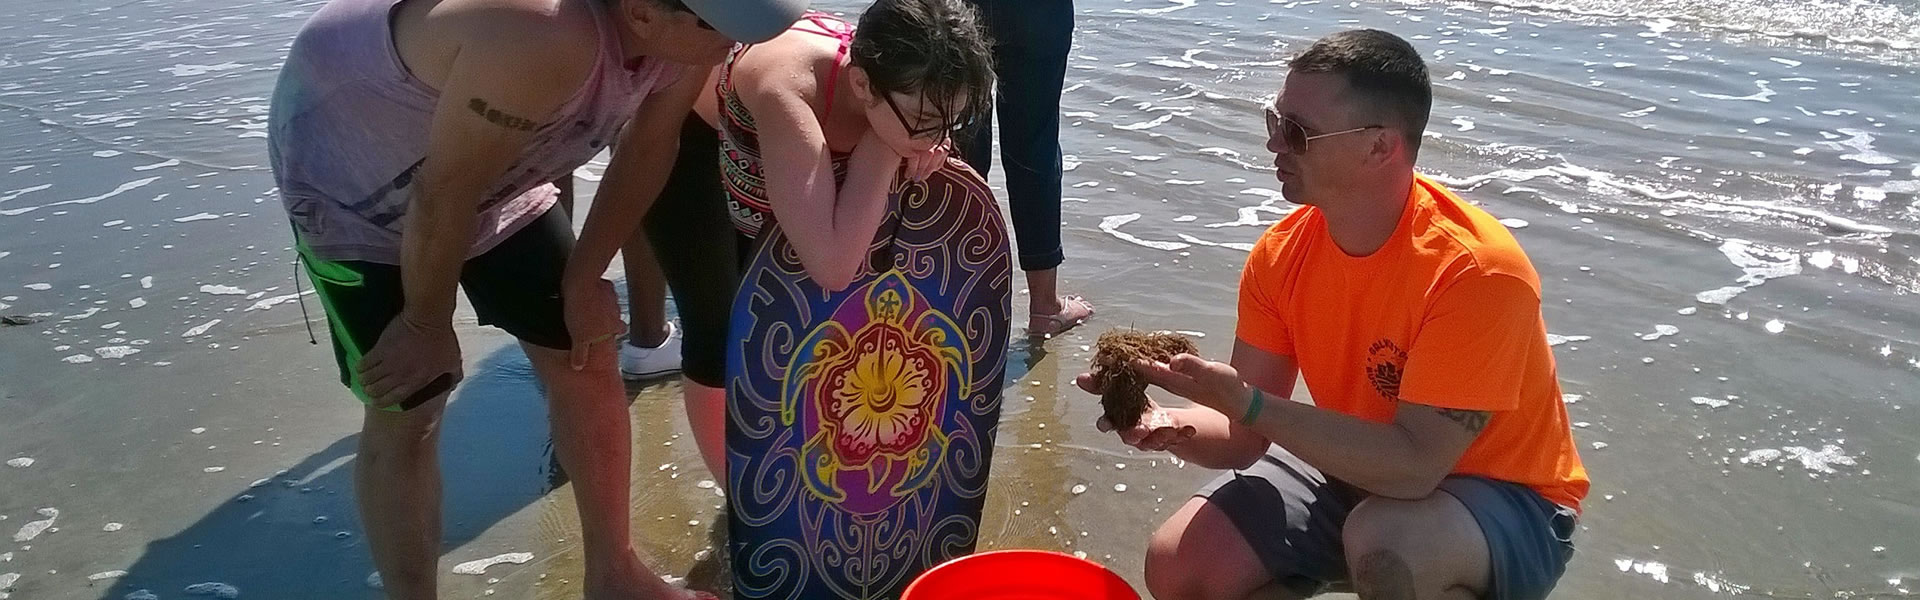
(1382, 574)
(1375, 537)
(552, 362)
(1379, 523)
(1411, 548)
(1371, 524)
(1199, 555)
(407, 432)
(579, 393)
(1168, 575)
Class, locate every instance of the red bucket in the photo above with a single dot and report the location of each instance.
(1019, 575)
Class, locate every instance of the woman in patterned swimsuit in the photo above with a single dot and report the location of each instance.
(814, 129)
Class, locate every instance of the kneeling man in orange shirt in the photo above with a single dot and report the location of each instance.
(1437, 461)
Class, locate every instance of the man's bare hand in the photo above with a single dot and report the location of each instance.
(592, 313)
(1158, 430)
(408, 357)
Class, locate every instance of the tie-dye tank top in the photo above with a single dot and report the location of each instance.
(741, 169)
(348, 127)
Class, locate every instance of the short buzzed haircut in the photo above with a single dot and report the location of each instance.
(1385, 77)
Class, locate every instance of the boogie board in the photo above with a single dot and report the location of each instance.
(861, 423)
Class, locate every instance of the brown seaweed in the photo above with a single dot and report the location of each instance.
(1123, 391)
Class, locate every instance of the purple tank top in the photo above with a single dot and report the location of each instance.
(347, 133)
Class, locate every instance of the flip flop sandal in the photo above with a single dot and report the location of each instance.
(1060, 322)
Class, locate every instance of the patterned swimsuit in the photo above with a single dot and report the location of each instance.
(741, 169)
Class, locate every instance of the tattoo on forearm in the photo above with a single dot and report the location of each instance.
(494, 116)
(1473, 420)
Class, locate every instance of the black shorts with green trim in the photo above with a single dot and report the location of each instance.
(515, 287)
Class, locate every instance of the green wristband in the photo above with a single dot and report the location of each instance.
(1253, 408)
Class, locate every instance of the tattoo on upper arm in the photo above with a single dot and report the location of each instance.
(494, 116)
(1473, 420)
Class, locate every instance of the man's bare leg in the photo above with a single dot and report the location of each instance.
(397, 479)
(1199, 555)
(1424, 549)
(593, 439)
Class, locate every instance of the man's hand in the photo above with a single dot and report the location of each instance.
(592, 312)
(1157, 431)
(407, 358)
(1215, 385)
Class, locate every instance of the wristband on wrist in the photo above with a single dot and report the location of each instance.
(1253, 407)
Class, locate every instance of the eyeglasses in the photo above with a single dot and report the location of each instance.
(945, 130)
(1296, 135)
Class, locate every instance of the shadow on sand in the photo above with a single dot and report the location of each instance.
(298, 534)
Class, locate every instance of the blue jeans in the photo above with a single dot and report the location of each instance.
(1031, 40)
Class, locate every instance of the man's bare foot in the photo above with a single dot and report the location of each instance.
(1072, 311)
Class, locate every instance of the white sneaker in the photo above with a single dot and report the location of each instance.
(647, 363)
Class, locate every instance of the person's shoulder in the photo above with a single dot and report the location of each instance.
(1282, 240)
(1473, 236)
(785, 66)
(549, 40)
(1290, 230)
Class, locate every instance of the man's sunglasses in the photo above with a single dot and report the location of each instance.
(1297, 136)
(943, 130)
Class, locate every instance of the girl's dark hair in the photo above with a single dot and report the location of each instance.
(938, 48)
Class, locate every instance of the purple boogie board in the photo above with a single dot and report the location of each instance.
(861, 423)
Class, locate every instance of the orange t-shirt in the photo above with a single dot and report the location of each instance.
(1446, 314)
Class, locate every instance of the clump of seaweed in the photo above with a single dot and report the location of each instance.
(1123, 393)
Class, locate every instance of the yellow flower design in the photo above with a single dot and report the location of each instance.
(881, 400)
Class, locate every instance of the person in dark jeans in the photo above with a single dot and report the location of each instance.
(1031, 40)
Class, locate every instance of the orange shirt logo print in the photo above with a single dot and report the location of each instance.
(1386, 362)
